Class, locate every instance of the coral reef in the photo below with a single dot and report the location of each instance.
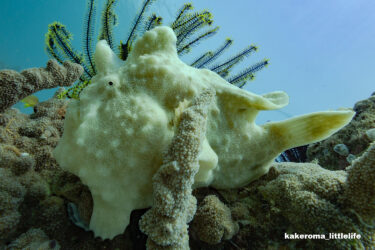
(15, 86)
(25, 156)
(115, 138)
(11, 196)
(307, 199)
(173, 204)
(359, 189)
(303, 198)
(356, 136)
(34, 191)
(213, 221)
(306, 196)
(34, 134)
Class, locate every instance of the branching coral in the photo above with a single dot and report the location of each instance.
(15, 86)
(174, 206)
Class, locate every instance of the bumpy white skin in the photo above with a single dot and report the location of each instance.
(115, 135)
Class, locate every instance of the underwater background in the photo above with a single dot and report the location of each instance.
(263, 187)
(321, 53)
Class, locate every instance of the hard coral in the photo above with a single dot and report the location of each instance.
(12, 193)
(15, 86)
(360, 185)
(173, 204)
(302, 198)
(213, 221)
(23, 157)
(34, 191)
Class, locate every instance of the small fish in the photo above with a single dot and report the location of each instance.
(30, 101)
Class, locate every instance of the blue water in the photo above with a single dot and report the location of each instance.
(321, 52)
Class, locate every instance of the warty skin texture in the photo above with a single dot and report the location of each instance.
(115, 135)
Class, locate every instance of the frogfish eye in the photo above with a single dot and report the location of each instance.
(110, 83)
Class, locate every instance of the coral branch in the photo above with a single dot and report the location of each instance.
(15, 86)
(174, 206)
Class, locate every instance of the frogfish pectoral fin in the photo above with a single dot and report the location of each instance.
(306, 129)
(241, 99)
